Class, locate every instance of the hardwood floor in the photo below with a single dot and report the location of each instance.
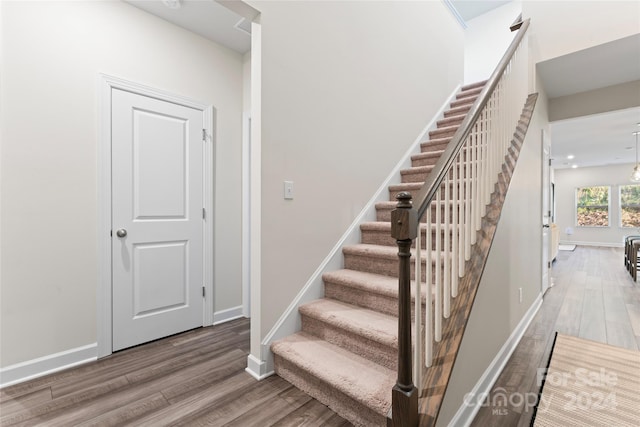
(191, 379)
(593, 298)
(198, 378)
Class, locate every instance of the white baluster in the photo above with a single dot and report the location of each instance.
(437, 312)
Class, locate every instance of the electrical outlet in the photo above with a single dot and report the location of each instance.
(520, 294)
(288, 190)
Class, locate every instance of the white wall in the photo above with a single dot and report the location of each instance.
(567, 180)
(562, 27)
(486, 39)
(511, 265)
(602, 100)
(346, 88)
(246, 82)
(52, 54)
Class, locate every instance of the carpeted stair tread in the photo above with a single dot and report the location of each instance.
(411, 187)
(376, 251)
(390, 205)
(473, 85)
(362, 380)
(369, 324)
(451, 120)
(385, 226)
(427, 155)
(435, 144)
(464, 101)
(369, 282)
(469, 92)
(441, 132)
(454, 111)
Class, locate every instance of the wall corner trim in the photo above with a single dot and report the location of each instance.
(45, 365)
(472, 400)
(455, 13)
(257, 368)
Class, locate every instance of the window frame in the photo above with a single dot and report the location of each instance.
(620, 224)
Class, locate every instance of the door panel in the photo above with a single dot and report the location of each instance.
(157, 192)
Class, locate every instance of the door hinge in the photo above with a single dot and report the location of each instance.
(204, 134)
(549, 162)
(549, 264)
(203, 292)
(204, 213)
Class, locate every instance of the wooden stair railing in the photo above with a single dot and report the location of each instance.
(461, 185)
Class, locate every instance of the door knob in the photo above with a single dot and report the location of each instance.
(121, 233)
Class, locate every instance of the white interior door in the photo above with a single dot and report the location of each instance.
(157, 218)
(546, 210)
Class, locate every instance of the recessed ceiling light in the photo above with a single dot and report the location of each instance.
(574, 166)
(571, 157)
(172, 4)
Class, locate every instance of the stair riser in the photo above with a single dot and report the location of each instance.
(443, 133)
(469, 92)
(424, 161)
(394, 192)
(353, 411)
(463, 109)
(384, 239)
(378, 265)
(463, 102)
(474, 85)
(450, 121)
(383, 303)
(409, 175)
(429, 146)
(385, 214)
(374, 351)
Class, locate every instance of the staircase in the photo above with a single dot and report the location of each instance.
(346, 353)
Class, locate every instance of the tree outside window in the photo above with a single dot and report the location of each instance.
(630, 205)
(592, 206)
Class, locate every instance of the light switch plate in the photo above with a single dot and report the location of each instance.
(288, 190)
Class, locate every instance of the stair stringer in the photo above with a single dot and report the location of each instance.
(290, 323)
(436, 378)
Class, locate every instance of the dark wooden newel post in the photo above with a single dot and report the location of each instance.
(404, 398)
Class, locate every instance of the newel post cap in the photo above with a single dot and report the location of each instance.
(404, 221)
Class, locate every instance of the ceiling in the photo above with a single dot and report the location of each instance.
(207, 18)
(594, 140)
(600, 139)
(469, 9)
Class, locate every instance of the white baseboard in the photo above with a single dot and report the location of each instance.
(470, 407)
(257, 368)
(602, 244)
(45, 365)
(232, 313)
(289, 323)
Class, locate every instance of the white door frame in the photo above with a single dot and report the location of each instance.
(546, 210)
(103, 293)
(246, 214)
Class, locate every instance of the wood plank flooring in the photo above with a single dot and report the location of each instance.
(198, 378)
(593, 298)
(191, 379)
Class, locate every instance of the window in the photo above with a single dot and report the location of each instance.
(592, 206)
(630, 205)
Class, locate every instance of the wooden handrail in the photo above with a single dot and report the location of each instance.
(425, 195)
